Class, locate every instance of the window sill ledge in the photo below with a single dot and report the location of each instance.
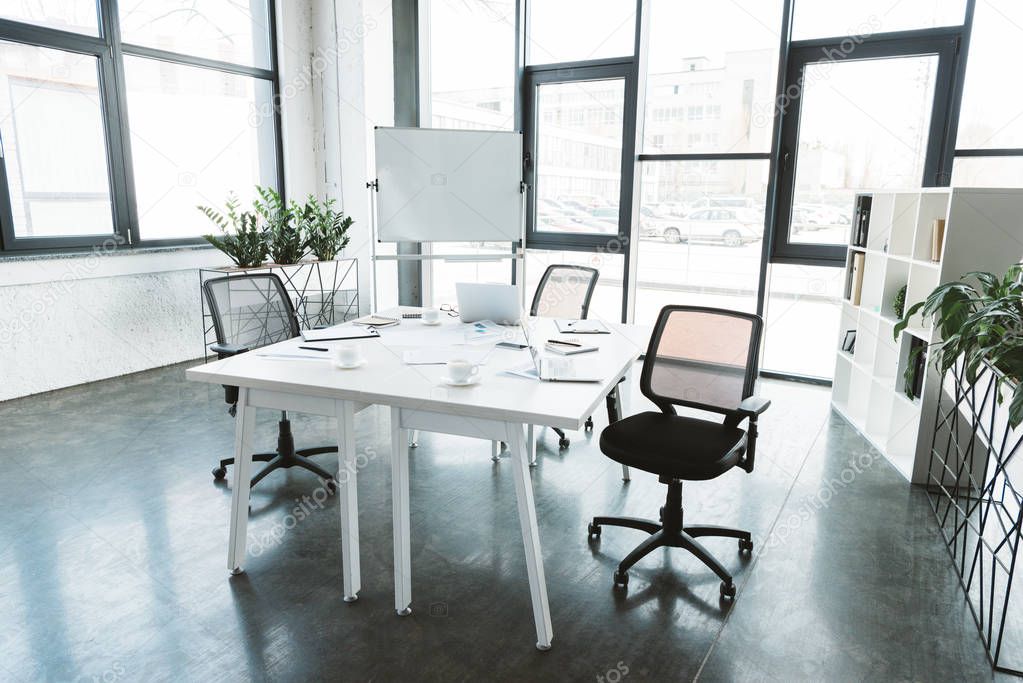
(25, 269)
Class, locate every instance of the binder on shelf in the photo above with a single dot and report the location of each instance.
(856, 278)
(861, 220)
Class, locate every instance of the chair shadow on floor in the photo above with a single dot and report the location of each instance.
(667, 583)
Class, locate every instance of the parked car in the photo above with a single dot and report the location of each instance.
(721, 202)
(657, 225)
(731, 227)
(651, 223)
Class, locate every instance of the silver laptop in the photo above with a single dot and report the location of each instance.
(485, 301)
(555, 370)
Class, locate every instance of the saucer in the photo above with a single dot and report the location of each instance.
(464, 383)
(350, 366)
(433, 324)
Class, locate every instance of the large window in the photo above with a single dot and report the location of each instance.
(831, 19)
(52, 128)
(735, 168)
(475, 93)
(711, 82)
(579, 30)
(990, 142)
(472, 64)
(701, 228)
(115, 125)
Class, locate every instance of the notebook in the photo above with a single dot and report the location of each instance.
(338, 332)
(582, 327)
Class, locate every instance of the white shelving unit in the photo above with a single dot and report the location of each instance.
(983, 231)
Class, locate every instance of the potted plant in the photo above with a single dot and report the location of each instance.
(325, 229)
(980, 323)
(284, 240)
(241, 237)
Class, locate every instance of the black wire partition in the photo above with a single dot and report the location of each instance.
(323, 292)
(972, 482)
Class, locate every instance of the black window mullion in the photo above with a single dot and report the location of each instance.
(118, 133)
(189, 60)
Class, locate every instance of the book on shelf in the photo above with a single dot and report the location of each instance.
(856, 278)
(937, 238)
(861, 220)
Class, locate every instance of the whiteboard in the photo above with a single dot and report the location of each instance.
(436, 185)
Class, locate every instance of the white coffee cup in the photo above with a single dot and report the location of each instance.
(461, 370)
(431, 315)
(347, 354)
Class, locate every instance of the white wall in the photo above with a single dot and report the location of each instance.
(74, 319)
(66, 321)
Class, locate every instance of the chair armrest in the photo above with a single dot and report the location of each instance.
(753, 406)
(228, 350)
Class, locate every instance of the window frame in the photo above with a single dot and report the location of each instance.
(579, 72)
(943, 43)
(109, 51)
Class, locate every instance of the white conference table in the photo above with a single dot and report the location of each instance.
(500, 407)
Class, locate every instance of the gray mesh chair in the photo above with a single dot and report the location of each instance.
(701, 358)
(251, 311)
(565, 292)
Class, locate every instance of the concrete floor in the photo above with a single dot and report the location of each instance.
(113, 541)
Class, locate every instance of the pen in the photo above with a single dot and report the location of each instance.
(562, 343)
(313, 348)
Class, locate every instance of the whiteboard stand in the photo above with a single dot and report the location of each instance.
(473, 167)
(517, 253)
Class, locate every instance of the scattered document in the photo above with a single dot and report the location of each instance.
(440, 356)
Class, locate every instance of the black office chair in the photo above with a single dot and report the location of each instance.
(565, 292)
(250, 311)
(703, 358)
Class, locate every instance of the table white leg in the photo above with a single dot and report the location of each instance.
(614, 413)
(495, 451)
(400, 501)
(530, 536)
(531, 444)
(347, 478)
(245, 427)
(413, 438)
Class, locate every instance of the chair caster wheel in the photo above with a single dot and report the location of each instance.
(219, 473)
(727, 590)
(621, 578)
(331, 486)
(660, 514)
(589, 424)
(563, 443)
(593, 529)
(746, 544)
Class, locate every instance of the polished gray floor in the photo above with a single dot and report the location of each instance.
(113, 548)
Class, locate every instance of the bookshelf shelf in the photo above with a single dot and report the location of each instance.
(893, 246)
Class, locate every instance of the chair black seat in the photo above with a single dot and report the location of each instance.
(675, 446)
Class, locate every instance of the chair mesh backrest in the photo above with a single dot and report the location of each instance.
(564, 292)
(703, 358)
(251, 310)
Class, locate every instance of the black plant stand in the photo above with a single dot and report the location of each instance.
(323, 292)
(979, 507)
